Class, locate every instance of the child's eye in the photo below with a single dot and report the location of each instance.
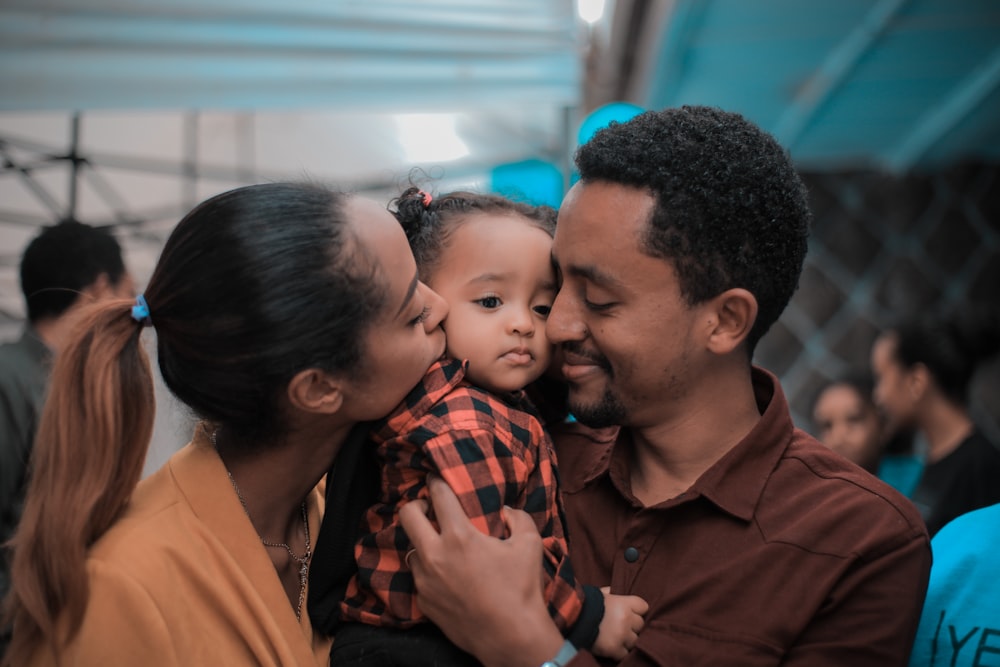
(543, 310)
(489, 302)
(422, 317)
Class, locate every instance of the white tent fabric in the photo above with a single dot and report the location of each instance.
(124, 113)
(292, 54)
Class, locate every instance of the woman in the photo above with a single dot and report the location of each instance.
(923, 369)
(285, 315)
(847, 421)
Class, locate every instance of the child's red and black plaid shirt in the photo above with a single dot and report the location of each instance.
(492, 453)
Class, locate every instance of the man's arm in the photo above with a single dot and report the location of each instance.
(484, 593)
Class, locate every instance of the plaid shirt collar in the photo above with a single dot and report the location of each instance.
(442, 378)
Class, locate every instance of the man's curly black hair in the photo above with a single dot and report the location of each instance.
(731, 211)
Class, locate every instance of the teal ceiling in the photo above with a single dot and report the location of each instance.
(891, 84)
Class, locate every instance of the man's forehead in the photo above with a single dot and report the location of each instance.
(607, 203)
(608, 225)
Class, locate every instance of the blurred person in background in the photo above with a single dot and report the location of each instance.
(65, 267)
(923, 368)
(960, 624)
(847, 421)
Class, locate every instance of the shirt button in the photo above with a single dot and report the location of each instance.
(631, 554)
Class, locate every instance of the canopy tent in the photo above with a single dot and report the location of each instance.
(126, 112)
(294, 54)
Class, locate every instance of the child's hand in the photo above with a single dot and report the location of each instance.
(620, 626)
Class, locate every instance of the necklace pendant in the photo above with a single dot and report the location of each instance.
(303, 561)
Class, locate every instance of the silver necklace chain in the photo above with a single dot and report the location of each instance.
(302, 560)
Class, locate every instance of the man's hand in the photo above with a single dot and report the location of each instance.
(484, 593)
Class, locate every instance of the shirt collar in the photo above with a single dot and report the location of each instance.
(441, 379)
(598, 454)
(34, 345)
(735, 482)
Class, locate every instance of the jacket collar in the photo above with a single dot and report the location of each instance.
(34, 346)
(201, 477)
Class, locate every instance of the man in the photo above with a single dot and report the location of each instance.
(753, 543)
(66, 265)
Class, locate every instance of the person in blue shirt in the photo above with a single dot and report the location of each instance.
(960, 625)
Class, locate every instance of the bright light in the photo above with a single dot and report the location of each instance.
(430, 138)
(590, 11)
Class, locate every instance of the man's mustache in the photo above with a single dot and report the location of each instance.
(577, 350)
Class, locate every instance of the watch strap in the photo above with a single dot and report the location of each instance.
(562, 658)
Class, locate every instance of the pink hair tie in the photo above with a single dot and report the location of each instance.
(427, 198)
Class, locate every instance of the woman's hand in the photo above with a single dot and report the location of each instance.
(484, 593)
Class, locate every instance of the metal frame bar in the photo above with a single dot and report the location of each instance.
(834, 72)
(956, 106)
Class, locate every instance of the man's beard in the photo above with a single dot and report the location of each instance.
(608, 411)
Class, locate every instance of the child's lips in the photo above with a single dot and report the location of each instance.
(518, 357)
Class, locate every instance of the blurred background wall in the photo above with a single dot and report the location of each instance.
(884, 247)
(125, 113)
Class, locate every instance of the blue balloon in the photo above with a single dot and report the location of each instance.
(531, 181)
(602, 116)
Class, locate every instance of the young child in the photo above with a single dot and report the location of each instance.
(470, 422)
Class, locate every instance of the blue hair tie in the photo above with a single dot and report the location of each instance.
(140, 311)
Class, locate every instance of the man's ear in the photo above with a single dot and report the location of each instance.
(918, 380)
(103, 288)
(315, 390)
(731, 317)
(97, 290)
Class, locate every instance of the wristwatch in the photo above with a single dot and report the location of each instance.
(565, 654)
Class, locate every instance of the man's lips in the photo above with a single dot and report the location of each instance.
(576, 366)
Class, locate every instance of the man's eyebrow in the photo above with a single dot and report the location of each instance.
(593, 274)
(409, 295)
